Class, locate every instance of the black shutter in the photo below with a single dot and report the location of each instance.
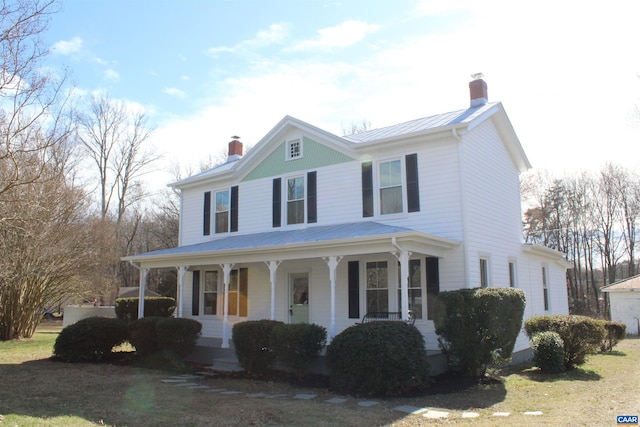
(353, 283)
(234, 208)
(367, 189)
(277, 195)
(195, 296)
(413, 189)
(433, 284)
(312, 206)
(206, 216)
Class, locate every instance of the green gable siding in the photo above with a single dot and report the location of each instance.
(314, 155)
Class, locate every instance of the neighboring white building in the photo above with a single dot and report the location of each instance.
(314, 227)
(624, 302)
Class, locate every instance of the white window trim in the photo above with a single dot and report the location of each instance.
(219, 291)
(391, 292)
(288, 144)
(215, 210)
(376, 188)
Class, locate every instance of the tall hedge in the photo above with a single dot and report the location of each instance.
(252, 343)
(127, 308)
(478, 327)
(581, 335)
(378, 359)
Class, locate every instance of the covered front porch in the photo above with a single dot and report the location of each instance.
(328, 275)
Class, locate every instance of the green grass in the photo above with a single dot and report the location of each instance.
(39, 392)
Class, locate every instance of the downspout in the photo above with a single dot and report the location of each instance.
(463, 207)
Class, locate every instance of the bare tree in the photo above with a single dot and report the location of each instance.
(356, 127)
(114, 139)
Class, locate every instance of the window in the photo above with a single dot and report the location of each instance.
(294, 149)
(222, 211)
(415, 288)
(433, 284)
(484, 272)
(210, 292)
(390, 174)
(295, 200)
(545, 290)
(238, 284)
(377, 287)
(512, 274)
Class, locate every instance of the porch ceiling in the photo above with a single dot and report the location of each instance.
(312, 242)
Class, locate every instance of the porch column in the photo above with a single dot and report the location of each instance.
(273, 267)
(332, 262)
(403, 258)
(181, 272)
(226, 269)
(143, 286)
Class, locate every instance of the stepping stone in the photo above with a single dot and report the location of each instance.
(186, 384)
(230, 392)
(305, 396)
(276, 396)
(336, 400)
(367, 403)
(435, 414)
(410, 409)
(198, 387)
(216, 390)
(470, 415)
(533, 413)
(501, 414)
(173, 380)
(257, 395)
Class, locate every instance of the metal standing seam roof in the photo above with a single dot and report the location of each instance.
(280, 238)
(630, 284)
(420, 125)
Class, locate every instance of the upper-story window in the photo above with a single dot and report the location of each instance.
(545, 289)
(222, 211)
(294, 149)
(295, 200)
(390, 184)
(391, 187)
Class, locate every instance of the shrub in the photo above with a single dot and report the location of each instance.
(478, 327)
(581, 335)
(90, 339)
(548, 351)
(378, 359)
(251, 342)
(143, 336)
(127, 308)
(614, 333)
(297, 345)
(178, 336)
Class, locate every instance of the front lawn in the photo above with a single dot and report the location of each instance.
(39, 392)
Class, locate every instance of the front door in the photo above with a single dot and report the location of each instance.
(299, 298)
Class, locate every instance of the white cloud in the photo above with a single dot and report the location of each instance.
(111, 74)
(172, 91)
(68, 47)
(343, 35)
(275, 34)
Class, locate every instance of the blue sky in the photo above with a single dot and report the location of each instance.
(566, 71)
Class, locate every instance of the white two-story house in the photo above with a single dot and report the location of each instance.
(314, 227)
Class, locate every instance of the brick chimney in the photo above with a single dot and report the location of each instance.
(235, 149)
(478, 91)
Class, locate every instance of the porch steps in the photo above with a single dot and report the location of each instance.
(226, 364)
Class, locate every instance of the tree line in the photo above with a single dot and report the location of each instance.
(591, 217)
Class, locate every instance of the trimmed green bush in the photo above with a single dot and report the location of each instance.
(581, 335)
(127, 308)
(143, 336)
(178, 336)
(614, 333)
(297, 345)
(548, 352)
(90, 339)
(378, 359)
(478, 327)
(251, 340)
